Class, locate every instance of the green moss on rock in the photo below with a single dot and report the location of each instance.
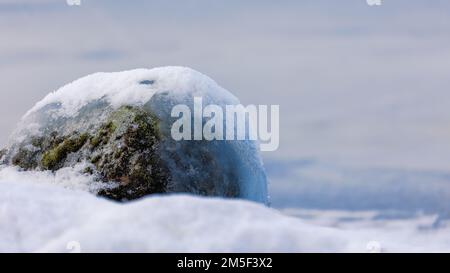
(103, 135)
(132, 158)
(53, 158)
(123, 149)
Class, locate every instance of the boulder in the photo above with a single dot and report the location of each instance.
(118, 126)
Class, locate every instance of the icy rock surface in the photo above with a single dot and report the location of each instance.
(117, 126)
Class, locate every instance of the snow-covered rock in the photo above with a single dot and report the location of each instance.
(117, 126)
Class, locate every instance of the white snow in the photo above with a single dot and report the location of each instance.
(43, 217)
(68, 177)
(133, 87)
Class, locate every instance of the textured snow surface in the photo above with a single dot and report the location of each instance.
(43, 217)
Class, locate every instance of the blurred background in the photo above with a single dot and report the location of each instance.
(364, 91)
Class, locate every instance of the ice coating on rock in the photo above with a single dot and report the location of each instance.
(223, 168)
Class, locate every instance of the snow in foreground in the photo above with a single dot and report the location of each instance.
(44, 217)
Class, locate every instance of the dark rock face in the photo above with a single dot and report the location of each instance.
(2, 154)
(124, 149)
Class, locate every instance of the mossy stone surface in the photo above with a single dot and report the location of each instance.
(132, 152)
(53, 158)
(129, 154)
(122, 149)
